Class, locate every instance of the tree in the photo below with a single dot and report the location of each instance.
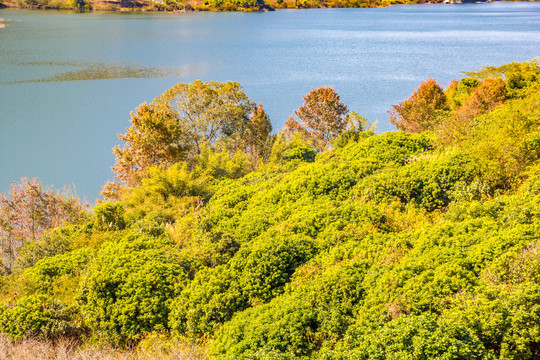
(484, 98)
(209, 111)
(156, 137)
(257, 136)
(357, 127)
(179, 124)
(29, 209)
(321, 117)
(422, 110)
(472, 98)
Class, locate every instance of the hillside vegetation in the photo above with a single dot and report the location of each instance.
(200, 5)
(324, 241)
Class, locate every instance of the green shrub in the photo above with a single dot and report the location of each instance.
(209, 300)
(53, 242)
(128, 287)
(295, 150)
(49, 269)
(165, 194)
(312, 313)
(266, 265)
(39, 316)
(256, 274)
(427, 183)
(415, 337)
(505, 319)
(390, 148)
(109, 217)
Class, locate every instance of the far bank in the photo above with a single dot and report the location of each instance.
(209, 5)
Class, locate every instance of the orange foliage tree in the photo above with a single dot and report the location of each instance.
(321, 117)
(154, 138)
(257, 135)
(422, 110)
(484, 98)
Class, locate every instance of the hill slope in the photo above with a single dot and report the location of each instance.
(403, 245)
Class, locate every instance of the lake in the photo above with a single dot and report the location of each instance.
(68, 81)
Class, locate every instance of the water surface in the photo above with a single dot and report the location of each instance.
(68, 81)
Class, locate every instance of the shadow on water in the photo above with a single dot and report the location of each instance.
(106, 71)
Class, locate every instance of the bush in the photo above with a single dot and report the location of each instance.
(295, 150)
(428, 183)
(109, 217)
(507, 321)
(164, 193)
(256, 274)
(391, 148)
(38, 315)
(129, 285)
(53, 242)
(416, 337)
(297, 323)
(49, 269)
(209, 300)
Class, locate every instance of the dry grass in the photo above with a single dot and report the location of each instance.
(33, 349)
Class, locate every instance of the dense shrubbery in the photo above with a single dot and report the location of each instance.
(256, 274)
(48, 270)
(127, 289)
(337, 244)
(39, 316)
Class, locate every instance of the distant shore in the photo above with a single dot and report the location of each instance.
(187, 6)
(202, 5)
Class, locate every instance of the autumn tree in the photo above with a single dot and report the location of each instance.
(322, 117)
(257, 135)
(208, 111)
(29, 209)
(422, 111)
(182, 122)
(458, 92)
(484, 98)
(155, 138)
(518, 76)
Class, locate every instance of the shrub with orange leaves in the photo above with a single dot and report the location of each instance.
(422, 110)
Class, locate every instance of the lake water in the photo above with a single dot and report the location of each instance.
(68, 81)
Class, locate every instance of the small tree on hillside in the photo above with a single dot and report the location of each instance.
(182, 122)
(422, 110)
(257, 135)
(29, 209)
(320, 118)
(155, 138)
(484, 98)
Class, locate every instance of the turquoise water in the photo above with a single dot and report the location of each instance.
(68, 81)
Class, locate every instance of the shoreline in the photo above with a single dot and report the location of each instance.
(206, 5)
